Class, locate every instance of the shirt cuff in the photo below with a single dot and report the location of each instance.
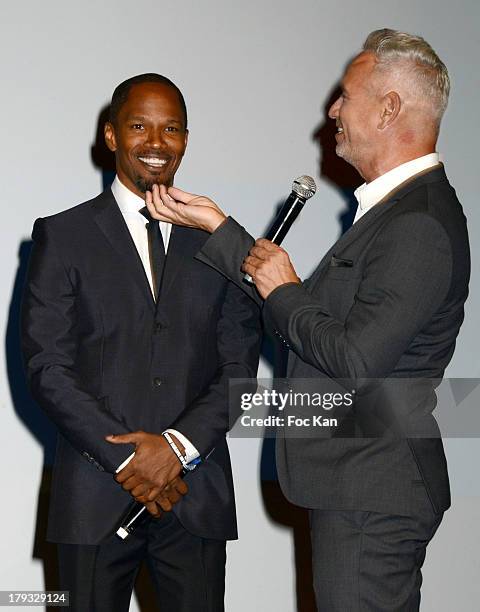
(126, 462)
(191, 452)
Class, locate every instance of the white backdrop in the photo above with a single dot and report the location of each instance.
(256, 76)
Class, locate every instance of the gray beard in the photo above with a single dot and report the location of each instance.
(349, 154)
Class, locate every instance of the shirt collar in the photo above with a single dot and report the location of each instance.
(127, 201)
(370, 194)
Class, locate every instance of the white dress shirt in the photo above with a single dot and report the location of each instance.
(372, 193)
(130, 205)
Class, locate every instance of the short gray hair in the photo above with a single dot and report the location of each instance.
(429, 72)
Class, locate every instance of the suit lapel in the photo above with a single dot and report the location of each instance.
(184, 244)
(429, 175)
(349, 236)
(109, 219)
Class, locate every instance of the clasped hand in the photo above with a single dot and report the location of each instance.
(152, 476)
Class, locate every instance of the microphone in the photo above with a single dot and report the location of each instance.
(303, 188)
(136, 515)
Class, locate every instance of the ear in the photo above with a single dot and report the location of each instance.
(390, 109)
(110, 139)
(186, 137)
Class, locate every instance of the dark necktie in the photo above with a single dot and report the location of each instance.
(156, 250)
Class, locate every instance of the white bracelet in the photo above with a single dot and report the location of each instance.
(176, 450)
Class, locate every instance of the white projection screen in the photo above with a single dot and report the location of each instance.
(257, 77)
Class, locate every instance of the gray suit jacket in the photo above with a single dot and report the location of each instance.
(386, 302)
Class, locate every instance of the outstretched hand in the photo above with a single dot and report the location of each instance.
(183, 208)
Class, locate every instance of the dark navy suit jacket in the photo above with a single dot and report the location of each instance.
(103, 358)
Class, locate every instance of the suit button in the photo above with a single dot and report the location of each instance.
(157, 382)
(158, 327)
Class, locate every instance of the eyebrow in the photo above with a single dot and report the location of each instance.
(142, 118)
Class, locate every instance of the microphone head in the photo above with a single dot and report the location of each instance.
(304, 186)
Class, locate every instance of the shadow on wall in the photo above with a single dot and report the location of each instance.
(333, 169)
(102, 158)
(33, 419)
(343, 177)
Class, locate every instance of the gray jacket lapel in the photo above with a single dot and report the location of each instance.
(348, 237)
(429, 175)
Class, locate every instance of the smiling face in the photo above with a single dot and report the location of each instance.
(357, 114)
(149, 136)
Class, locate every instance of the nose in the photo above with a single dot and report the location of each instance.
(156, 138)
(334, 109)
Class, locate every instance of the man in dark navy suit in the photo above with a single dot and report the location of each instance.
(130, 343)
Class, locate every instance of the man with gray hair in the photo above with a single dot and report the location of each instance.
(393, 97)
(386, 302)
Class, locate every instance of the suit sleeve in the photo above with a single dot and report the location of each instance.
(406, 278)
(206, 421)
(49, 343)
(225, 251)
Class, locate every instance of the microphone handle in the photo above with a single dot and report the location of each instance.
(285, 218)
(136, 514)
(283, 222)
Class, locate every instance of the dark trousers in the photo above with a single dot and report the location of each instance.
(188, 572)
(368, 561)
